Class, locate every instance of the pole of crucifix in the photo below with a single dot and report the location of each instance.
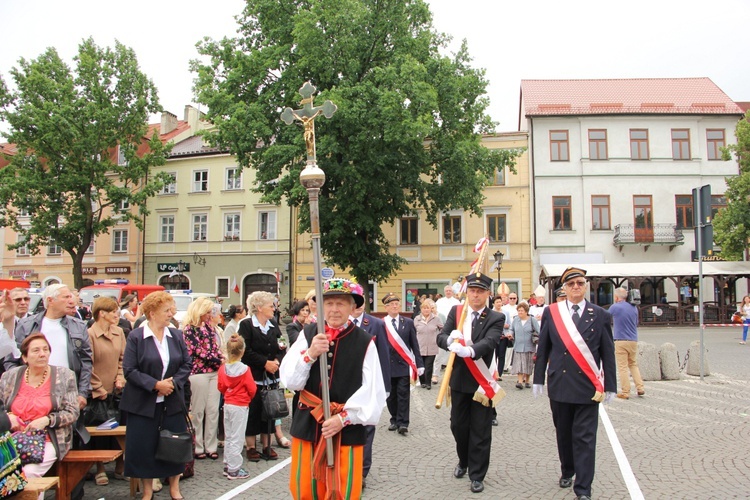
(312, 178)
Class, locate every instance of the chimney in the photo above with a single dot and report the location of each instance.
(192, 116)
(168, 122)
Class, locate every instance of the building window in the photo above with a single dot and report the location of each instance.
(598, 144)
(452, 229)
(54, 248)
(643, 212)
(23, 250)
(715, 141)
(718, 201)
(90, 249)
(408, 231)
(222, 287)
(234, 178)
(600, 212)
(120, 240)
(680, 144)
(231, 227)
(166, 229)
(639, 144)
(200, 227)
(684, 210)
(200, 181)
(171, 187)
(558, 145)
(499, 177)
(267, 225)
(121, 160)
(123, 206)
(496, 227)
(561, 213)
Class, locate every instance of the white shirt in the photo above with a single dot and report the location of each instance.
(364, 406)
(510, 312)
(444, 306)
(58, 341)
(162, 347)
(536, 311)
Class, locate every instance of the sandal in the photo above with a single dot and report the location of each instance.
(283, 442)
(200, 456)
(212, 456)
(101, 479)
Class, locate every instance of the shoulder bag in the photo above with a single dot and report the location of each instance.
(175, 447)
(98, 411)
(274, 400)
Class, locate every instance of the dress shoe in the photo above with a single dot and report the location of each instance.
(494, 422)
(253, 455)
(459, 471)
(527, 385)
(583, 497)
(642, 392)
(519, 385)
(566, 482)
(392, 427)
(403, 430)
(477, 486)
(269, 454)
(429, 387)
(424, 386)
(622, 395)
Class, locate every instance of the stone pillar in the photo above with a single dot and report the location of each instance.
(694, 360)
(648, 361)
(670, 362)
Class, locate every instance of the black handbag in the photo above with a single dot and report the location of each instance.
(175, 447)
(98, 411)
(274, 401)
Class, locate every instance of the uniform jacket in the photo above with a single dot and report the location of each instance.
(142, 367)
(375, 327)
(486, 337)
(408, 332)
(79, 347)
(565, 380)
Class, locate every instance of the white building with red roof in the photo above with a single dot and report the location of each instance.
(613, 166)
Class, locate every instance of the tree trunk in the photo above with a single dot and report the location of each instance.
(77, 268)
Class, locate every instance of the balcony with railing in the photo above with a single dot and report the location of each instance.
(659, 234)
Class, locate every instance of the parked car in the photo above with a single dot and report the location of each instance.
(183, 298)
(117, 289)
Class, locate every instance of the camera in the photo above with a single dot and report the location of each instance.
(634, 297)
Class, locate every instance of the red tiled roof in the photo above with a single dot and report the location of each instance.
(744, 105)
(182, 125)
(626, 96)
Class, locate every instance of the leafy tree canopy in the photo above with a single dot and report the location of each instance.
(65, 183)
(406, 135)
(732, 223)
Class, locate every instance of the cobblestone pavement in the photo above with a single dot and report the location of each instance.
(684, 439)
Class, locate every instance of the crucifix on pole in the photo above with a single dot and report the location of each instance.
(312, 178)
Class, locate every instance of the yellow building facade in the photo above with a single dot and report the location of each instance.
(439, 257)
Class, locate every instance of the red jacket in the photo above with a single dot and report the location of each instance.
(236, 383)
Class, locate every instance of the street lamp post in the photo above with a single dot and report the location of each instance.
(312, 178)
(498, 265)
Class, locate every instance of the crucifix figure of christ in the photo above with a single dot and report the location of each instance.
(307, 115)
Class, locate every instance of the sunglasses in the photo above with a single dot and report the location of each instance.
(580, 283)
(512, 298)
(22, 299)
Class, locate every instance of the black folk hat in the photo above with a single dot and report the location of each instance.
(479, 280)
(572, 272)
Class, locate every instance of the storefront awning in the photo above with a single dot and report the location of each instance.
(651, 269)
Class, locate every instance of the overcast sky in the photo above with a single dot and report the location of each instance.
(512, 40)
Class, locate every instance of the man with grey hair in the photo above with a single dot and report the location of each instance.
(21, 301)
(625, 319)
(67, 336)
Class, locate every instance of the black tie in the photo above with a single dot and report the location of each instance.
(393, 322)
(356, 322)
(474, 321)
(576, 316)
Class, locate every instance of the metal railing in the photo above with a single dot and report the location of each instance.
(664, 234)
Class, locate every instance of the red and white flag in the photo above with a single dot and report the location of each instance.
(235, 286)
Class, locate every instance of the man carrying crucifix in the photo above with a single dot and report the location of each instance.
(356, 392)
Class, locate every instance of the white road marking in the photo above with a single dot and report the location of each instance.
(252, 482)
(627, 472)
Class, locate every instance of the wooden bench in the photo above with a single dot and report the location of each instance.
(74, 466)
(38, 485)
(119, 434)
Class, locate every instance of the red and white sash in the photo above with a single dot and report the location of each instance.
(577, 347)
(398, 345)
(489, 392)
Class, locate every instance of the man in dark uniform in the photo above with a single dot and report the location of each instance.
(474, 344)
(576, 340)
(406, 362)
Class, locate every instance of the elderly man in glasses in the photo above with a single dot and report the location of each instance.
(21, 301)
(576, 340)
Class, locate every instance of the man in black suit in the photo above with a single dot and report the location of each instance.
(375, 327)
(474, 344)
(405, 362)
(576, 339)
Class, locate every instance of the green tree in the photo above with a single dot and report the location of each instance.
(406, 135)
(732, 223)
(66, 183)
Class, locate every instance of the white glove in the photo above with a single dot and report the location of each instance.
(461, 351)
(537, 390)
(420, 371)
(455, 334)
(608, 396)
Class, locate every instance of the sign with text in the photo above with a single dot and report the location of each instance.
(88, 270)
(168, 268)
(117, 270)
(20, 273)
